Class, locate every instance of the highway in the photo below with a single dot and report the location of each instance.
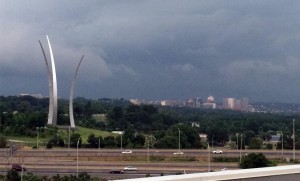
(100, 162)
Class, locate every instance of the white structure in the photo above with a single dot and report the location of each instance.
(279, 173)
(71, 113)
(52, 116)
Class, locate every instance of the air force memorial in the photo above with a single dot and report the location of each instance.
(52, 116)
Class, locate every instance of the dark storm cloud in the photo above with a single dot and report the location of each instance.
(154, 49)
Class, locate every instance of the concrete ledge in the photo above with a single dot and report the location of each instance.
(245, 174)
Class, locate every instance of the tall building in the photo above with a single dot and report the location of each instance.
(236, 104)
(245, 104)
(190, 103)
(228, 103)
(210, 103)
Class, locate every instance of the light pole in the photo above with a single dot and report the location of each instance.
(208, 156)
(69, 141)
(99, 146)
(237, 141)
(212, 142)
(121, 141)
(294, 157)
(77, 158)
(241, 148)
(148, 151)
(178, 140)
(281, 144)
(22, 172)
(37, 137)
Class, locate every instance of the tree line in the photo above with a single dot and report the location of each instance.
(21, 116)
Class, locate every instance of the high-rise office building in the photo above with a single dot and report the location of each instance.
(245, 104)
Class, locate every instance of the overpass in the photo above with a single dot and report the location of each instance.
(278, 173)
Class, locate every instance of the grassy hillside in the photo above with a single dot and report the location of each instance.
(47, 134)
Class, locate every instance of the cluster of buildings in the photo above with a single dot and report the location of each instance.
(209, 103)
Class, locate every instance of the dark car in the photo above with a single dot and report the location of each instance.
(117, 171)
(17, 167)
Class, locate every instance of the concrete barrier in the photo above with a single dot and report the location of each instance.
(278, 173)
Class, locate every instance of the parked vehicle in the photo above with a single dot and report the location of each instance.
(217, 151)
(117, 171)
(130, 168)
(17, 167)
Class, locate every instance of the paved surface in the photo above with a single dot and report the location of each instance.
(100, 162)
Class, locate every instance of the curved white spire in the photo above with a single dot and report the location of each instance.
(54, 84)
(71, 113)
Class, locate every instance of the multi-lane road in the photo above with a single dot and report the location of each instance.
(98, 162)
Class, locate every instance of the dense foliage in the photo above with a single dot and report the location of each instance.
(255, 160)
(22, 115)
(13, 175)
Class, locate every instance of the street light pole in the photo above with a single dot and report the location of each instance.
(241, 148)
(121, 141)
(281, 144)
(208, 156)
(237, 141)
(178, 140)
(294, 157)
(22, 172)
(77, 158)
(37, 137)
(99, 146)
(69, 141)
(148, 151)
(212, 142)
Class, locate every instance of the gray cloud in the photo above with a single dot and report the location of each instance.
(154, 49)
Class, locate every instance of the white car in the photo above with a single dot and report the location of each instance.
(178, 153)
(217, 151)
(127, 151)
(130, 168)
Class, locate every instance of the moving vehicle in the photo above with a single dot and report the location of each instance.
(178, 153)
(217, 151)
(130, 168)
(17, 167)
(117, 171)
(127, 151)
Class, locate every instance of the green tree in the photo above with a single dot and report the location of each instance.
(3, 142)
(31, 177)
(84, 176)
(255, 143)
(150, 141)
(74, 139)
(253, 160)
(13, 175)
(110, 142)
(93, 141)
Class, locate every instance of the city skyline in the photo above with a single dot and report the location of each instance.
(155, 50)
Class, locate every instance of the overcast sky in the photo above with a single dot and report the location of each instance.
(154, 49)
